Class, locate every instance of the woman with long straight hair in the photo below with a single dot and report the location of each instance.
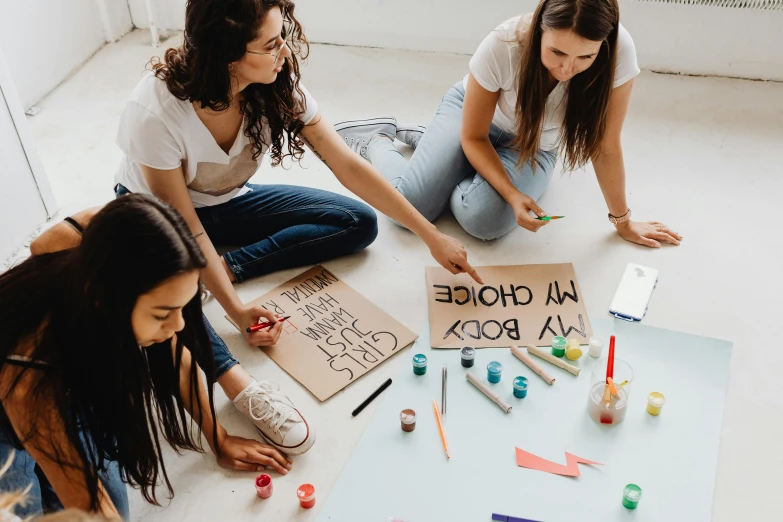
(195, 130)
(101, 347)
(557, 82)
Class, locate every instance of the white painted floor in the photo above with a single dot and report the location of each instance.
(703, 155)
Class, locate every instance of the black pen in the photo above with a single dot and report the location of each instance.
(371, 398)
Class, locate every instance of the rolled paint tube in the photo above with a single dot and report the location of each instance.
(548, 357)
(486, 391)
(522, 355)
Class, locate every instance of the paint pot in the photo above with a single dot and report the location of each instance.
(655, 402)
(408, 420)
(596, 346)
(520, 387)
(419, 364)
(632, 494)
(494, 370)
(573, 350)
(468, 354)
(264, 486)
(306, 495)
(559, 346)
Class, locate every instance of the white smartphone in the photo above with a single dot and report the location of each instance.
(633, 293)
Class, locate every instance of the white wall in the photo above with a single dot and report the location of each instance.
(671, 38)
(22, 208)
(168, 14)
(45, 40)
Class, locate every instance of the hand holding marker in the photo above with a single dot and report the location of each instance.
(267, 325)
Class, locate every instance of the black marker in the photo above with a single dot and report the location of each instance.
(371, 398)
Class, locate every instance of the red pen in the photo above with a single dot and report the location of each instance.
(260, 326)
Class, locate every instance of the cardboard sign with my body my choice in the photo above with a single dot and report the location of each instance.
(516, 305)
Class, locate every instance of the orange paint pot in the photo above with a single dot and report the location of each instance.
(306, 495)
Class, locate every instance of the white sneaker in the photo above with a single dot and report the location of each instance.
(410, 134)
(358, 133)
(275, 417)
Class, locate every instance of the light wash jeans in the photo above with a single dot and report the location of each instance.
(439, 174)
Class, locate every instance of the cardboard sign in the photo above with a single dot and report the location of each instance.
(334, 335)
(516, 305)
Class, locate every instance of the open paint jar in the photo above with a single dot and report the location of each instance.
(408, 420)
(596, 346)
(264, 486)
(494, 370)
(520, 387)
(655, 402)
(306, 495)
(559, 346)
(632, 494)
(419, 364)
(603, 406)
(468, 356)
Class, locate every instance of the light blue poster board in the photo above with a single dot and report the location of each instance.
(672, 457)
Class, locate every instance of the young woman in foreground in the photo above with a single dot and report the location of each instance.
(555, 82)
(101, 348)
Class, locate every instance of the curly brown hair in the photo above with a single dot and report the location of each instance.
(216, 34)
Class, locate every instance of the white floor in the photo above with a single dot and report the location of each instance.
(703, 155)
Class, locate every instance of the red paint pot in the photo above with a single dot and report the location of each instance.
(264, 486)
(306, 495)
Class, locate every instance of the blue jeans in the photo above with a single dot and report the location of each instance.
(41, 498)
(440, 175)
(274, 227)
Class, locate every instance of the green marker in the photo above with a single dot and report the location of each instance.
(549, 218)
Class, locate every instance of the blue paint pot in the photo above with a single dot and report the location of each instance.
(494, 369)
(520, 387)
(419, 364)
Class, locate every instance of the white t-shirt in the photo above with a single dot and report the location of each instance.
(161, 131)
(494, 66)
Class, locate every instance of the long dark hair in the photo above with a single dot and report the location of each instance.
(75, 308)
(588, 92)
(216, 34)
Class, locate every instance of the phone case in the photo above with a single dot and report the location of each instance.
(633, 294)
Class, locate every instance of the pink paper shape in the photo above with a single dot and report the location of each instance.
(570, 469)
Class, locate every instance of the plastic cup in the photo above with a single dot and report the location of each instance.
(602, 406)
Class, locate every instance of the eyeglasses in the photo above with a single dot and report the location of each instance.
(285, 34)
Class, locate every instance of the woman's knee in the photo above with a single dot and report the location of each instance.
(485, 222)
(365, 227)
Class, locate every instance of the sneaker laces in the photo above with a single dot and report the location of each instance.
(266, 398)
(357, 145)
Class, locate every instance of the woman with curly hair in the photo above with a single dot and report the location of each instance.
(193, 133)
